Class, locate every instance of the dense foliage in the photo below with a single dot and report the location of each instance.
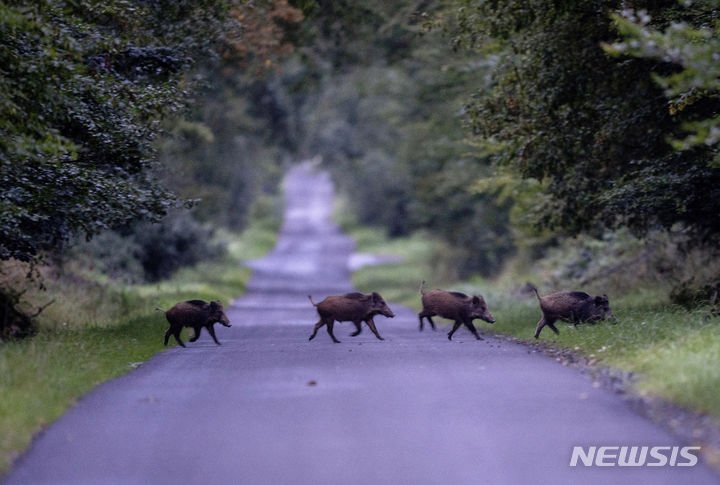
(385, 116)
(592, 128)
(505, 124)
(114, 114)
(84, 86)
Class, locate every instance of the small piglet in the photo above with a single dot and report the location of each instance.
(571, 306)
(351, 307)
(196, 314)
(461, 308)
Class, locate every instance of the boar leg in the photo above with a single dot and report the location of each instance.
(197, 333)
(330, 325)
(371, 324)
(317, 326)
(358, 328)
(552, 327)
(211, 331)
(472, 329)
(167, 335)
(539, 327)
(422, 315)
(455, 327)
(176, 334)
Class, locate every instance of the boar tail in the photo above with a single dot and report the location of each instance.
(534, 288)
(158, 309)
(422, 287)
(311, 300)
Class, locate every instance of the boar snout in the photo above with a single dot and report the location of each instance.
(481, 310)
(224, 320)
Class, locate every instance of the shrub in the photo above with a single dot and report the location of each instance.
(146, 252)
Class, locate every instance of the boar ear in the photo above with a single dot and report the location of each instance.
(599, 300)
(376, 297)
(215, 305)
(476, 300)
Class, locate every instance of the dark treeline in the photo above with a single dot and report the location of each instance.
(503, 128)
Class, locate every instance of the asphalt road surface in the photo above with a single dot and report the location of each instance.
(269, 407)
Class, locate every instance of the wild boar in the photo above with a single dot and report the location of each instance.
(196, 314)
(571, 306)
(351, 307)
(461, 308)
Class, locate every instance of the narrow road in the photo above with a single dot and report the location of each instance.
(269, 407)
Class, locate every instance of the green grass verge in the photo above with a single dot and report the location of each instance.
(673, 353)
(395, 282)
(95, 333)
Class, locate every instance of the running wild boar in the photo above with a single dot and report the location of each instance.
(196, 314)
(571, 306)
(461, 308)
(351, 307)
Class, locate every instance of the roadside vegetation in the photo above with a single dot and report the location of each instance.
(670, 350)
(573, 145)
(98, 329)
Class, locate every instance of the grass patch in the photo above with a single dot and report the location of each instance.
(672, 352)
(420, 258)
(95, 332)
(397, 282)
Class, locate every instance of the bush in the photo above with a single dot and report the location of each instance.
(691, 294)
(13, 323)
(179, 240)
(147, 252)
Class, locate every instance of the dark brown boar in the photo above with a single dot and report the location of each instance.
(571, 306)
(196, 314)
(461, 308)
(351, 307)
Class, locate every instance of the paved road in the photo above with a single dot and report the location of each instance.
(269, 407)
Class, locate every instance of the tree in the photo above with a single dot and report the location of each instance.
(694, 47)
(231, 146)
(385, 114)
(83, 88)
(591, 128)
